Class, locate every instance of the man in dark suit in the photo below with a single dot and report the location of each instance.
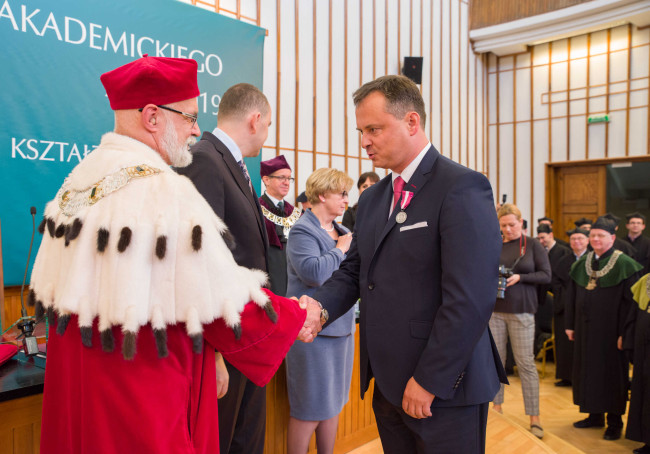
(424, 261)
(219, 173)
(547, 303)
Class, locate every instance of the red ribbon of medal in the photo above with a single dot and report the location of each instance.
(406, 199)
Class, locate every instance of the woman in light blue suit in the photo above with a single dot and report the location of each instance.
(319, 374)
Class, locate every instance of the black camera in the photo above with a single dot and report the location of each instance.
(504, 274)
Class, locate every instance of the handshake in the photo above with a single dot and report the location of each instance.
(316, 318)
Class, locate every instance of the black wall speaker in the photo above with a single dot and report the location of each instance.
(413, 69)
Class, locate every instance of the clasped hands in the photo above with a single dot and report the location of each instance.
(312, 325)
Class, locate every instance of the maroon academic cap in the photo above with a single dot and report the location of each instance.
(273, 165)
(151, 80)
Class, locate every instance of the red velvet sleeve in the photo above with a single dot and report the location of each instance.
(263, 344)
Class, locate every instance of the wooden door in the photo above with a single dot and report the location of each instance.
(574, 193)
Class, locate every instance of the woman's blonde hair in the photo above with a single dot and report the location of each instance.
(326, 180)
(509, 208)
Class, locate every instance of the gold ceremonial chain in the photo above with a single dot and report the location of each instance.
(73, 200)
(594, 275)
(285, 223)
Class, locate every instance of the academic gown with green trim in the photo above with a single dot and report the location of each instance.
(598, 317)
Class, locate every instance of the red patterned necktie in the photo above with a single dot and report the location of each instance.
(398, 186)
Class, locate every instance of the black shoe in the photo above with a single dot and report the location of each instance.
(563, 383)
(590, 422)
(645, 449)
(612, 433)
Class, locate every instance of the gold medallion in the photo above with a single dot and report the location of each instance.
(592, 284)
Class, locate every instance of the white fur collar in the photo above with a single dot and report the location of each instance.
(150, 252)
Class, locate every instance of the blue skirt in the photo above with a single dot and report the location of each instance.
(318, 377)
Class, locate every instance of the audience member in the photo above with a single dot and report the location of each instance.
(598, 305)
(635, 227)
(279, 217)
(638, 333)
(620, 244)
(547, 292)
(302, 202)
(366, 180)
(578, 239)
(584, 224)
(548, 221)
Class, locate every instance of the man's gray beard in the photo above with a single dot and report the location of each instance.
(179, 155)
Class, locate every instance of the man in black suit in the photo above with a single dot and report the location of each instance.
(635, 226)
(424, 261)
(219, 173)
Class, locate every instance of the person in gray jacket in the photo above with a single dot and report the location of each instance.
(318, 377)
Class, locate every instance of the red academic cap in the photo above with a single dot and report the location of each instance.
(151, 80)
(273, 165)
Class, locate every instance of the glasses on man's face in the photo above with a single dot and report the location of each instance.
(283, 179)
(188, 116)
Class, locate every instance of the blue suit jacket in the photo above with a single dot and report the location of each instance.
(427, 286)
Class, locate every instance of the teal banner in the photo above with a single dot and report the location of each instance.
(54, 106)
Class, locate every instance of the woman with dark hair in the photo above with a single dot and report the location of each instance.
(366, 180)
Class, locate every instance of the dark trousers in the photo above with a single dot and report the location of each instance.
(451, 430)
(242, 416)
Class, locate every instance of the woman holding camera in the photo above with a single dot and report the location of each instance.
(526, 264)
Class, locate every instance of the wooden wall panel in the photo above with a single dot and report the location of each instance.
(20, 425)
(570, 79)
(484, 13)
(362, 40)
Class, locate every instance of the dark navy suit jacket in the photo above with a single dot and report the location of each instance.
(427, 286)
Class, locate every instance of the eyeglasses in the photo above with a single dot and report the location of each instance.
(343, 194)
(287, 179)
(188, 116)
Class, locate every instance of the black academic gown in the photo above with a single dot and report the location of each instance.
(277, 254)
(600, 370)
(563, 243)
(642, 246)
(625, 247)
(544, 315)
(638, 419)
(561, 297)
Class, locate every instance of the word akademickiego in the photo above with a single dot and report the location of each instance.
(98, 37)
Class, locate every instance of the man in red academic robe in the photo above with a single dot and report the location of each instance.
(138, 282)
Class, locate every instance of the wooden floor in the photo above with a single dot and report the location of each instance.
(508, 433)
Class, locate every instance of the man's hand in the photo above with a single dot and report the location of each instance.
(222, 376)
(619, 343)
(312, 324)
(569, 334)
(417, 401)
